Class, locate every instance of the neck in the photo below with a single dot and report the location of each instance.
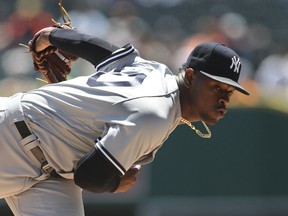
(181, 86)
(187, 110)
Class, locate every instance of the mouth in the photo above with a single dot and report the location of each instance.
(221, 112)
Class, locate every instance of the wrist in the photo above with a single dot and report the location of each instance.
(42, 40)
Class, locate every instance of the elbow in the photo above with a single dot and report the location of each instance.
(96, 174)
(95, 183)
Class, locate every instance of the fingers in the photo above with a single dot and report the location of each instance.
(129, 179)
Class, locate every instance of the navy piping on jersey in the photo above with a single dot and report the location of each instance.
(110, 158)
(116, 55)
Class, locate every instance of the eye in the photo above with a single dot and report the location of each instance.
(230, 93)
(218, 88)
(221, 90)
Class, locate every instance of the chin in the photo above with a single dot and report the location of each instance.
(211, 121)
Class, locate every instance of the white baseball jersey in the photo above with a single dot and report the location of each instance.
(128, 108)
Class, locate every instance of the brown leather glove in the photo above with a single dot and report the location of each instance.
(52, 62)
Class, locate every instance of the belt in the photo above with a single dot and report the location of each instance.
(36, 151)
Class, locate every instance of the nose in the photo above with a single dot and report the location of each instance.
(224, 99)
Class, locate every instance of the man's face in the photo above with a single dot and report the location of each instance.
(210, 98)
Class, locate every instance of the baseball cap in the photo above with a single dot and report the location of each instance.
(218, 62)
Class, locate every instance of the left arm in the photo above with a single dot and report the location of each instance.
(90, 48)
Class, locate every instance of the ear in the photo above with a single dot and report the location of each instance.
(189, 76)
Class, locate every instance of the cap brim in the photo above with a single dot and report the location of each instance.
(228, 81)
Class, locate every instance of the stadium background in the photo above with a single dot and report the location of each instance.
(242, 169)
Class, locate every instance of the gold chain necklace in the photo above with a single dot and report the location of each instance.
(208, 135)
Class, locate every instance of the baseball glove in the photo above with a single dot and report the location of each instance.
(53, 63)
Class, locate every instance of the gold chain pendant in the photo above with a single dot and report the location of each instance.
(206, 136)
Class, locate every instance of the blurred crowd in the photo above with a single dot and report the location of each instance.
(160, 29)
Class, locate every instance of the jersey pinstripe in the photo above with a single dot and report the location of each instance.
(132, 104)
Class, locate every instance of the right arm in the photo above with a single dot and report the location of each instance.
(95, 173)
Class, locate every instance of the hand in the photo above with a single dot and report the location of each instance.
(41, 39)
(128, 180)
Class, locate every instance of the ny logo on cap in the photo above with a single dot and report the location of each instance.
(236, 64)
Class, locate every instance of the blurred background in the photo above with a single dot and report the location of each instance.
(242, 169)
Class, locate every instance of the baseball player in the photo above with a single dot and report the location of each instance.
(94, 132)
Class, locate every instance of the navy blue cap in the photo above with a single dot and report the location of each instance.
(218, 62)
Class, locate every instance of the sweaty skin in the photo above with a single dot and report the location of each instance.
(202, 98)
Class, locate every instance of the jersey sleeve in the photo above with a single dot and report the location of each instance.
(136, 136)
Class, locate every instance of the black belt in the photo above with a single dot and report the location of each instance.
(36, 151)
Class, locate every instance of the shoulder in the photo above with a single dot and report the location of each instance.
(120, 58)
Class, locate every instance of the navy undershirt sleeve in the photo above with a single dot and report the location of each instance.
(95, 173)
(90, 48)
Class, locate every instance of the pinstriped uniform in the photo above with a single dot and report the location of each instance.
(127, 109)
